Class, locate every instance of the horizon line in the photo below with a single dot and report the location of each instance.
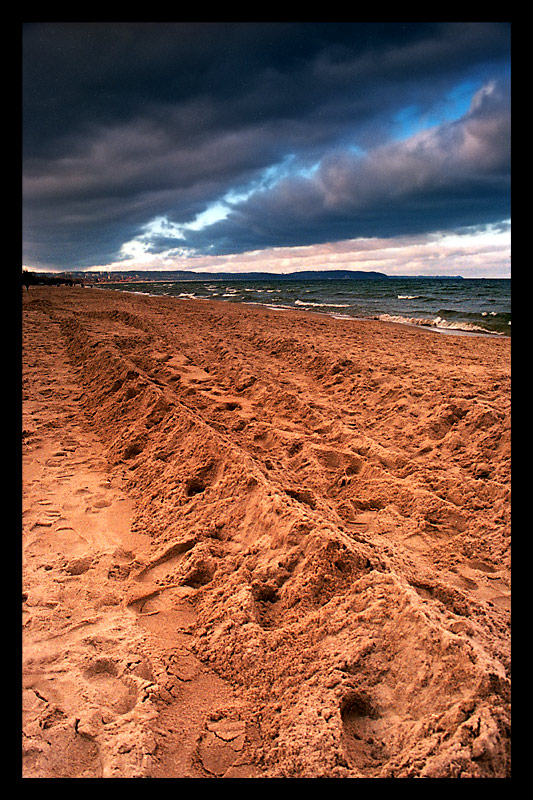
(99, 272)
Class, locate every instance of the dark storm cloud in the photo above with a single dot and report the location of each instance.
(127, 122)
(434, 180)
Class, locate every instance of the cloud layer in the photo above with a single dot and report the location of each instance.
(296, 134)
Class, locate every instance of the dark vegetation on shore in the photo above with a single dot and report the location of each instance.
(36, 279)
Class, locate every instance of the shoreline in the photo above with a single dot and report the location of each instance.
(422, 323)
(312, 578)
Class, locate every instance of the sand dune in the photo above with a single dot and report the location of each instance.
(261, 543)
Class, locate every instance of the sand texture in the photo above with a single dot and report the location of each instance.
(261, 544)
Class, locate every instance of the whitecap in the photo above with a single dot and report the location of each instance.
(438, 322)
(321, 305)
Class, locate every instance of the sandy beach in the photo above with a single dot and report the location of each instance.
(261, 544)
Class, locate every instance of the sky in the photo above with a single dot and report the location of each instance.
(267, 146)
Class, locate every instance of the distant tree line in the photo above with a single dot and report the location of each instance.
(40, 279)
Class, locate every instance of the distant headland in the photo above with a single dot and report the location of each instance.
(156, 276)
(184, 275)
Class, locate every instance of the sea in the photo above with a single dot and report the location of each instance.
(470, 306)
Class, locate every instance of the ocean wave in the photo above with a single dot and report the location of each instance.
(451, 312)
(459, 326)
(436, 322)
(503, 314)
(321, 305)
(410, 296)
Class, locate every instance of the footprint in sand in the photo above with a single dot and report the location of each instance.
(361, 733)
(97, 505)
(103, 675)
(63, 539)
(45, 517)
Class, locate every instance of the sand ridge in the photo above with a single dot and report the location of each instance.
(279, 542)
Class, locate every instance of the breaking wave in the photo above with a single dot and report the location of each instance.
(437, 322)
(321, 305)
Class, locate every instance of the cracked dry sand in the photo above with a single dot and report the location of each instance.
(260, 544)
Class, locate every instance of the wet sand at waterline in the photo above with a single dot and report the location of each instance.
(261, 543)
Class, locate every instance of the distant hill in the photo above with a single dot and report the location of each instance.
(182, 275)
(334, 274)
